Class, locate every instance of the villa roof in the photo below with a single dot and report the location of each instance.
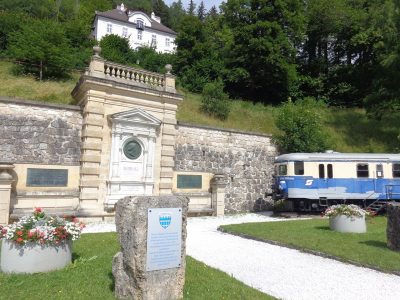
(122, 16)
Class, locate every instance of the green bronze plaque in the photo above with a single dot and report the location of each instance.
(189, 182)
(47, 177)
(132, 150)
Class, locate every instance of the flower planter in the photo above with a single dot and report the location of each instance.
(342, 223)
(33, 257)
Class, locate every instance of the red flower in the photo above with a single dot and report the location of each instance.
(38, 209)
(20, 240)
(19, 232)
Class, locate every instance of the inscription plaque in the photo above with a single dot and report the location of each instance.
(189, 182)
(47, 177)
(164, 238)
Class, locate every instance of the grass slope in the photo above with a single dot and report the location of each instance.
(365, 248)
(349, 129)
(90, 277)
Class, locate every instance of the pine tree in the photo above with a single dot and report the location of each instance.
(191, 8)
(201, 11)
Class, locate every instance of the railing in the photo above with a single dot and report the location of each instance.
(155, 80)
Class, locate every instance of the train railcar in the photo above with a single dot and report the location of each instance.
(312, 181)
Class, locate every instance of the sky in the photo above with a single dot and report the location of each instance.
(207, 3)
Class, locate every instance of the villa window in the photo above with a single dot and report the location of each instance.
(139, 35)
(139, 24)
(109, 28)
(124, 31)
(167, 42)
(154, 40)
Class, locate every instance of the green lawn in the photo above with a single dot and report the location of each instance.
(368, 249)
(90, 277)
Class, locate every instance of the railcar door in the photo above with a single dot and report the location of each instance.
(380, 182)
(326, 186)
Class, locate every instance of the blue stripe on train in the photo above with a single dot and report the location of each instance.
(339, 188)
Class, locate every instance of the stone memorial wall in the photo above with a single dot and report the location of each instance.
(245, 159)
(32, 132)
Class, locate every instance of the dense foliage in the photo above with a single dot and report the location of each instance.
(214, 101)
(301, 126)
(343, 52)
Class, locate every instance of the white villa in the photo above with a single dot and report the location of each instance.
(137, 26)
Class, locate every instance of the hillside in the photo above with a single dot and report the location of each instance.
(350, 129)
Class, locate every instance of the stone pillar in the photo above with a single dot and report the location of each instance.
(218, 184)
(393, 226)
(133, 280)
(6, 180)
(169, 80)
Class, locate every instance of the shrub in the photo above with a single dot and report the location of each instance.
(115, 48)
(214, 101)
(301, 126)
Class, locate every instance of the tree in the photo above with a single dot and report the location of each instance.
(199, 50)
(301, 126)
(43, 47)
(201, 11)
(212, 13)
(191, 8)
(266, 35)
(385, 98)
(176, 13)
(10, 22)
(214, 101)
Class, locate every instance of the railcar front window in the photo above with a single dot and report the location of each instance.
(396, 170)
(298, 168)
(362, 171)
(282, 170)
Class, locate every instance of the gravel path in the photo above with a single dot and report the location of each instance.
(278, 271)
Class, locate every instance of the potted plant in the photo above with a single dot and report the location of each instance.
(347, 218)
(38, 243)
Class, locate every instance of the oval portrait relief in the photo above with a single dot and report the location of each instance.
(132, 150)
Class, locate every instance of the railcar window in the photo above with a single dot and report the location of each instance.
(321, 170)
(282, 170)
(330, 171)
(362, 170)
(379, 171)
(298, 168)
(396, 170)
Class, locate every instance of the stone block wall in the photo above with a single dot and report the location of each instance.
(31, 132)
(246, 160)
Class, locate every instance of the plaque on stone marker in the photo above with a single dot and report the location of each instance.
(47, 177)
(164, 238)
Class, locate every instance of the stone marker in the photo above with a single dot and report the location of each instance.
(393, 226)
(167, 275)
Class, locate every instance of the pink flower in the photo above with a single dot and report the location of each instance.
(38, 209)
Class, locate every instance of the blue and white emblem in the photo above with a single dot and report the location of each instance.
(165, 220)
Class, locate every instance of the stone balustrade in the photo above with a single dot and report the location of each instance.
(114, 70)
(108, 70)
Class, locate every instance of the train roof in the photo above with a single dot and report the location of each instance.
(337, 156)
